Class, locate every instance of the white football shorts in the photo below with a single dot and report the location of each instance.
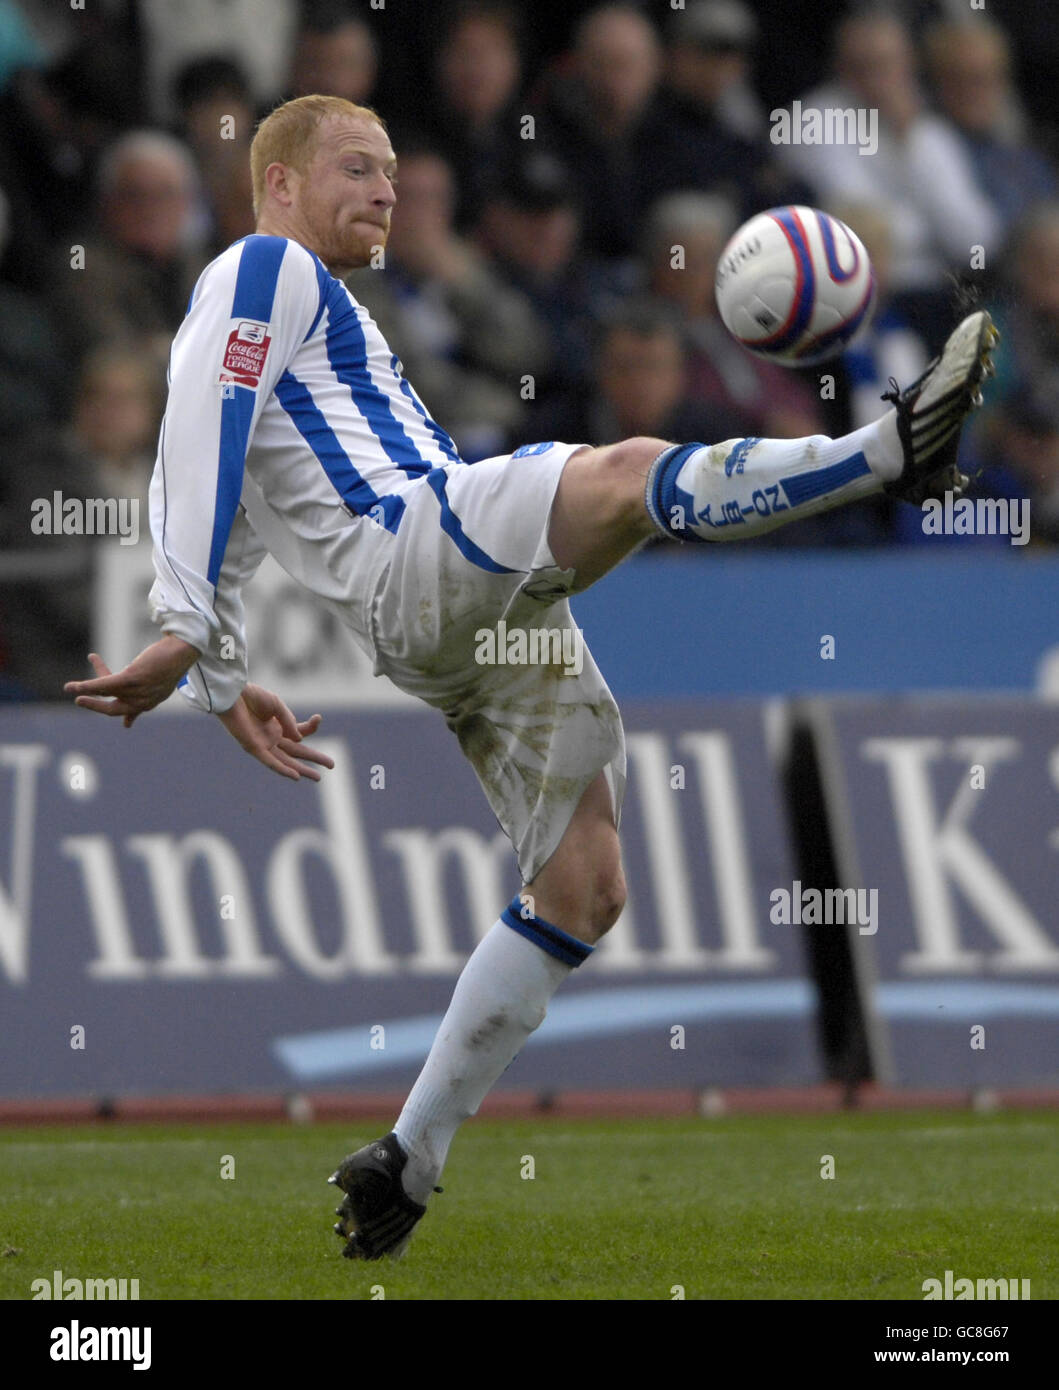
(471, 615)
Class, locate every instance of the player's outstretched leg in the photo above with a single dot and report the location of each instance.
(734, 489)
(611, 500)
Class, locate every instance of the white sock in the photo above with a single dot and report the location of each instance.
(500, 998)
(743, 487)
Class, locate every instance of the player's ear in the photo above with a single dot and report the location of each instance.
(280, 181)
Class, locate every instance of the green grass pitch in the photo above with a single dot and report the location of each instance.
(730, 1208)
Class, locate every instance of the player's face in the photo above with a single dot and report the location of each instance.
(346, 197)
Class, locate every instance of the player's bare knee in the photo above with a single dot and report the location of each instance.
(589, 900)
(610, 901)
(608, 895)
(627, 465)
(637, 454)
(619, 476)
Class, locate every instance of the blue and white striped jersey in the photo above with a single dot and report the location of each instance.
(289, 428)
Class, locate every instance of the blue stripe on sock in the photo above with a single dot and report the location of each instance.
(663, 495)
(803, 487)
(543, 934)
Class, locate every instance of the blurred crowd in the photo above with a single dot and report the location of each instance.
(567, 178)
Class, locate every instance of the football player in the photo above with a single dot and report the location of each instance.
(290, 428)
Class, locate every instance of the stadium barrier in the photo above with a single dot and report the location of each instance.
(174, 919)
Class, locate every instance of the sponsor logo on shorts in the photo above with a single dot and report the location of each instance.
(528, 449)
(245, 353)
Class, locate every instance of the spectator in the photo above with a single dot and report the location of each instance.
(335, 55)
(970, 65)
(716, 128)
(54, 123)
(686, 233)
(919, 167)
(599, 118)
(888, 346)
(531, 225)
(229, 194)
(105, 444)
(1035, 38)
(105, 449)
(140, 263)
(708, 48)
(1028, 316)
(217, 121)
(477, 115)
(465, 337)
(113, 430)
(257, 34)
(214, 103)
(32, 376)
(1025, 446)
(20, 46)
(639, 384)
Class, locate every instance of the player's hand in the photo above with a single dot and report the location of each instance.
(265, 727)
(148, 679)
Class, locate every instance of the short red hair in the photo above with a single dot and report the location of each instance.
(288, 134)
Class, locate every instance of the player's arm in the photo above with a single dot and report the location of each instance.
(147, 680)
(258, 719)
(251, 310)
(261, 723)
(222, 670)
(218, 680)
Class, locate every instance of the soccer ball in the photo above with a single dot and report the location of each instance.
(794, 285)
